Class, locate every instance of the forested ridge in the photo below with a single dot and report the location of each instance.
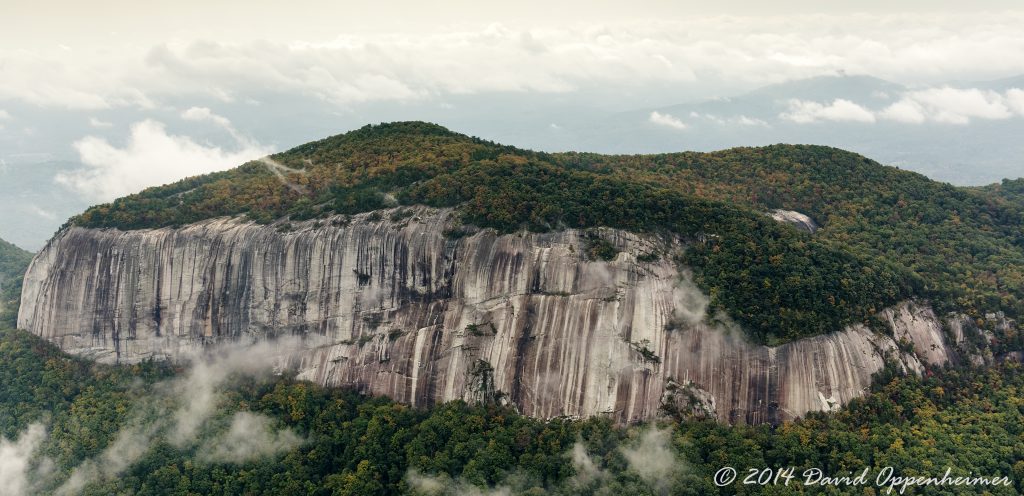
(969, 420)
(887, 234)
(298, 438)
(13, 261)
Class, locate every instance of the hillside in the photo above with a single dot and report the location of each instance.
(13, 261)
(968, 420)
(1011, 190)
(887, 234)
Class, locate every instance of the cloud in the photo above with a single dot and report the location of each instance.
(703, 53)
(587, 470)
(954, 105)
(251, 436)
(840, 110)
(97, 123)
(36, 210)
(740, 120)
(178, 409)
(650, 456)
(906, 111)
(944, 105)
(667, 120)
(1015, 100)
(205, 114)
(4, 116)
(16, 461)
(689, 303)
(749, 121)
(150, 158)
(197, 389)
(442, 485)
(653, 459)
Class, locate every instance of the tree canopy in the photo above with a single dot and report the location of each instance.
(886, 234)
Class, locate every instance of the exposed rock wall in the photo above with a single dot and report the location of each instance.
(796, 219)
(392, 306)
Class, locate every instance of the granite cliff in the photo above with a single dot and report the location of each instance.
(402, 303)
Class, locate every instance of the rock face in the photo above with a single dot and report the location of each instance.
(796, 219)
(391, 305)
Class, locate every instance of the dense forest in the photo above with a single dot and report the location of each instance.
(13, 261)
(73, 427)
(887, 234)
(223, 426)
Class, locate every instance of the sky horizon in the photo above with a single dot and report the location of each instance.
(113, 96)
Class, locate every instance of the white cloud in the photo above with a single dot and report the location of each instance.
(205, 114)
(1015, 100)
(740, 120)
(804, 112)
(942, 105)
(667, 120)
(905, 110)
(443, 485)
(954, 105)
(36, 210)
(4, 116)
(706, 53)
(97, 123)
(179, 408)
(653, 459)
(151, 157)
(750, 121)
(16, 471)
(251, 436)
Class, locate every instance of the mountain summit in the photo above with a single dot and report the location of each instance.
(886, 234)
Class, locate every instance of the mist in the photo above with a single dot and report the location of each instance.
(648, 455)
(180, 411)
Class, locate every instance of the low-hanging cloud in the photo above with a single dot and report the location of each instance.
(667, 120)
(840, 110)
(653, 459)
(16, 461)
(281, 172)
(954, 105)
(739, 120)
(151, 157)
(650, 456)
(442, 485)
(192, 400)
(251, 436)
(942, 105)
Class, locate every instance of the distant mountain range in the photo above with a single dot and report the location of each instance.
(980, 152)
(848, 112)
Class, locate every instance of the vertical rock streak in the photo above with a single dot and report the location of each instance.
(393, 307)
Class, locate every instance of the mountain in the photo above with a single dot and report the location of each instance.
(901, 226)
(428, 265)
(982, 151)
(974, 153)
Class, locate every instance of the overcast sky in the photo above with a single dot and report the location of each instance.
(107, 53)
(130, 90)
